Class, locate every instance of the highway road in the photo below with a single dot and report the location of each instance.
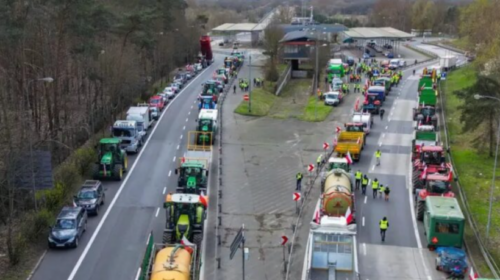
(115, 241)
(404, 254)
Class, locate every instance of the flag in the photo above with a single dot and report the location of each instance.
(450, 175)
(359, 141)
(334, 142)
(472, 274)
(423, 175)
(338, 129)
(316, 216)
(186, 242)
(74, 203)
(348, 158)
(348, 215)
(203, 199)
(104, 170)
(422, 88)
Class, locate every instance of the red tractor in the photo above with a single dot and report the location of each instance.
(434, 185)
(428, 160)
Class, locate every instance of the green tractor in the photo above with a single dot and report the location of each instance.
(207, 127)
(112, 160)
(185, 216)
(193, 176)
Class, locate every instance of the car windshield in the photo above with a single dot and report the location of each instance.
(154, 101)
(87, 194)
(65, 224)
(123, 132)
(332, 96)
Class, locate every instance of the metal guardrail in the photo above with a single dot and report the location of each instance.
(494, 268)
(283, 79)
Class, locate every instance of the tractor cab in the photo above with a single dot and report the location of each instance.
(338, 163)
(437, 184)
(108, 150)
(432, 155)
(211, 87)
(207, 127)
(185, 216)
(111, 161)
(192, 177)
(207, 102)
(355, 127)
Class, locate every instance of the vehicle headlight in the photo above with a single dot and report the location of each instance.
(71, 239)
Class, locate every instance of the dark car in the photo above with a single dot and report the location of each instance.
(91, 196)
(70, 224)
(180, 78)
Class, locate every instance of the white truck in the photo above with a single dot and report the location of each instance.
(129, 133)
(142, 116)
(448, 62)
(364, 118)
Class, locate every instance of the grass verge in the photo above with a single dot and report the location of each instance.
(473, 165)
(315, 111)
(261, 103)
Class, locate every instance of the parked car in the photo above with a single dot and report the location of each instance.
(157, 101)
(180, 78)
(91, 196)
(170, 92)
(366, 56)
(69, 227)
(333, 98)
(175, 87)
(198, 67)
(155, 113)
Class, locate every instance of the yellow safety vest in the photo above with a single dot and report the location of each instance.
(299, 176)
(384, 224)
(365, 181)
(359, 175)
(375, 185)
(381, 189)
(320, 157)
(378, 154)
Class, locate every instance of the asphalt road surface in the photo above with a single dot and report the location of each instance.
(115, 241)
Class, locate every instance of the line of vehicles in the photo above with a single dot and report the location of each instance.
(127, 137)
(332, 238)
(179, 255)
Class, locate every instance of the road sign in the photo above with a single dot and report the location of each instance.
(338, 129)
(296, 196)
(245, 97)
(236, 243)
(310, 168)
(183, 159)
(325, 146)
(284, 240)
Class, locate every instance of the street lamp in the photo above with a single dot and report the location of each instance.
(33, 182)
(488, 225)
(316, 70)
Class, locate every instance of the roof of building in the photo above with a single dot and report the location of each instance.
(444, 207)
(377, 33)
(329, 28)
(296, 36)
(239, 27)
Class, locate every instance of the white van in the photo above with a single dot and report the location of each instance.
(365, 119)
(394, 64)
(142, 116)
(129, 133)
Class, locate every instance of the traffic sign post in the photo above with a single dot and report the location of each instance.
(245, 97)
(239, 242)
(284, 240)
(325, 147)
(296, 198)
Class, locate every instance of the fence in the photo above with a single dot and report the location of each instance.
(283, 80)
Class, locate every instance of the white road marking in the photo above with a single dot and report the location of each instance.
(157, 212)
(178, 146)
(192, 106)
(169, 173)
(386, 127)
(380, 144)
(189, 113)
(364, 249)
(182, 136)
(187, 119)
(383, 135)
(174, 159)
(164, 190)
(366, 199)
(373, 167)
(124, 182)
(184, 128)
(363, 221)
(138, 273)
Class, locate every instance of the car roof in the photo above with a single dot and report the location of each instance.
(68, 212)
(91, 184)
(156, 97)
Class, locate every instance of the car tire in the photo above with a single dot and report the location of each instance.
(76, 243)
(51, 246)
(85, 227)
(103, 199)
(96, 213)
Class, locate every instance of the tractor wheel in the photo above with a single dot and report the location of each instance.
(118, 172)
(168, 237)
(125, 164)
(420, 210)
(198, 239)
(95, 171)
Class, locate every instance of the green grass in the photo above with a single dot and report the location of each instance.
(473, 165)
(315, 110)
(262, 101)
(281, 68)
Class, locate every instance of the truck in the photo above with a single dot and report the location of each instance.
(444, 222)
(332, 227)
(384, 81)
(173, 261)
(352, 142)
(448, 62)
(425, 113)
(425, 135)
(335, 71)
(207, 127)
(142, 116)
(430, 185)
(365, 119)
(185, 218)
(206, 49)
(374, 99)
(130, 135)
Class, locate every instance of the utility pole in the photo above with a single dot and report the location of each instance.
(249, 83)
(316, 77)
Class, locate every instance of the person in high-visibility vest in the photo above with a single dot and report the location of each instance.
(319, 160)
(378, 154)
(381, 190)
(384, 225)
(387, 191)
(299, 181)
(358, 177)
(375, 185)
(364, 184)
